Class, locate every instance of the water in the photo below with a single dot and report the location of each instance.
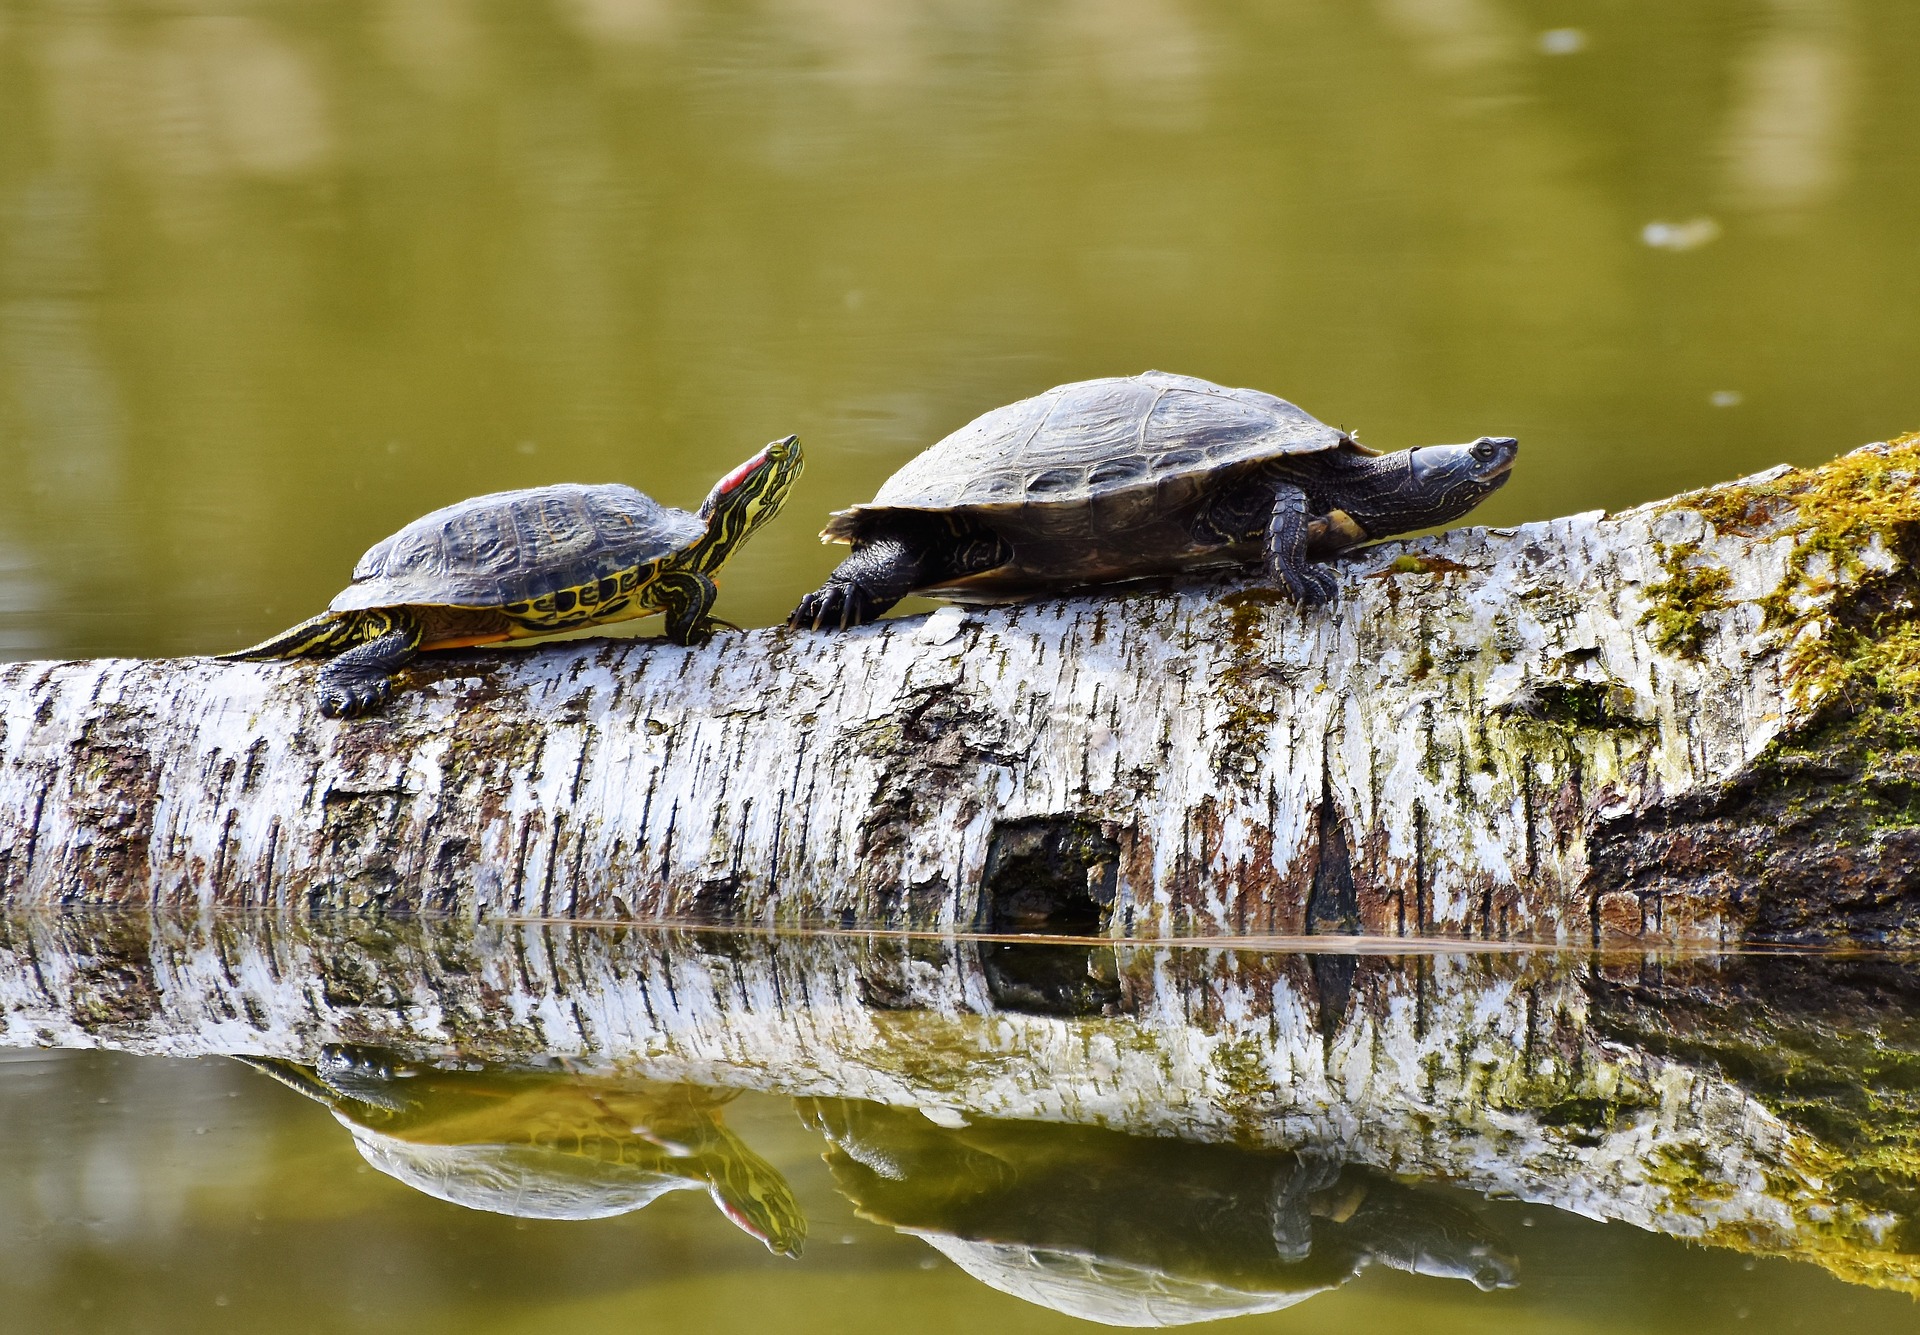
(276, 279)
(356, 1125)
(603, 1129)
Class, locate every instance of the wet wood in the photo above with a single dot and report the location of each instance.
(1471, 742)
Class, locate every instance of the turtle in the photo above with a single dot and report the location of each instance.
(546, 1145)
(1127, 477)
(531, 562)
(1131, 1230)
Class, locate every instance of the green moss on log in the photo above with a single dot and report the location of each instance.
(1684, 601)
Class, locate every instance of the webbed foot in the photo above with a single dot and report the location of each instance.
(361, 679)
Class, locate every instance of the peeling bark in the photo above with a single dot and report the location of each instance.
(1764, 1103)
(1564, 731)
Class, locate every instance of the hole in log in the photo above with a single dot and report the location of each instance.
(1053, 875)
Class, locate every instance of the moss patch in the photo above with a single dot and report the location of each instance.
(1683, 601)
(1864, 649)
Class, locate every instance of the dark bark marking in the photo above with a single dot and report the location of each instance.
(1333, 904)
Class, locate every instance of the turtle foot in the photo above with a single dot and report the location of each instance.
(361, 679)
(351, 699)
(836, 606)
(692, 637)
(1310, 587)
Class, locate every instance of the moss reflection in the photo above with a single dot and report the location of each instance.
(1131, 1231)
(546, 1145)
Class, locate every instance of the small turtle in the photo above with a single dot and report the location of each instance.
(533, 562)
(1106, 480)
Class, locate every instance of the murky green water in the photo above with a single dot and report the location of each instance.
(275, 279)
(614, 1130)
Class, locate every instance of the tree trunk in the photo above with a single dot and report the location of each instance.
(1690, 719)
(1755, 1102)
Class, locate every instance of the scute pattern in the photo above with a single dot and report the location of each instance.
(1095, 436)
(516, 546)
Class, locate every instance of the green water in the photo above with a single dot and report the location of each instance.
(276, 278)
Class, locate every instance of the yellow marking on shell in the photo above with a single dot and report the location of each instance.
(618, 597)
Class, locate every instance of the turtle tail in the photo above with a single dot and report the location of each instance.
(328, 633)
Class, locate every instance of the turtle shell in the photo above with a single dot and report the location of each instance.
(1083, 443)
(514, 546)
(1096, 481)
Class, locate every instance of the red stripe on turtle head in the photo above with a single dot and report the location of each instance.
(740, 474)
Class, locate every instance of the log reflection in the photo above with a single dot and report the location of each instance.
(1756, 1103)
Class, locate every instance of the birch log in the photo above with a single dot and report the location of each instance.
(1590, 726)
(1761, 1103)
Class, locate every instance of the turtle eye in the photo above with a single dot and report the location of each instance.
(1483, 450)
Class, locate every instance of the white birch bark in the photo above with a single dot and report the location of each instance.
(1209, 758)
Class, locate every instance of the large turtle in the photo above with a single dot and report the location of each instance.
(1106, 480)
(543, 1145)
(521, 563)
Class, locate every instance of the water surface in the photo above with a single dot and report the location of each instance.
(276, 279)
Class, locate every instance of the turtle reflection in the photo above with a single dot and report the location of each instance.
(1131, 1231)
(546, 1145)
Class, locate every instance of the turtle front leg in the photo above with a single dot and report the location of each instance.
(362, 678)
(687, 597)
(861, 589)
(1287, 534)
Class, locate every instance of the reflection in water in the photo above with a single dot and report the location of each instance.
(1126, 1132)
(1121, 1229)
(1130, 1231)
(546, 1146)
(1789, 137)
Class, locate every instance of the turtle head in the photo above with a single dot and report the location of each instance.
(1433, 484)
(750, 495)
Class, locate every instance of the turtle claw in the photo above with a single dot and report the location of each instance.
(1309, 586)
(361, 679)
(833, 607)
(351, 699)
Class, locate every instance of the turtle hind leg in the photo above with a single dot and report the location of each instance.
(861, 589)
(886, 568)
(361, 679)
(1287, 534)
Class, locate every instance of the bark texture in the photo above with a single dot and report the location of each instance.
(1593, 726)
(1760, 1103)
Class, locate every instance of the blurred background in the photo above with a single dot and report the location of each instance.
(277, 277)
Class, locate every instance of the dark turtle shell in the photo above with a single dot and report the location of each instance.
(1089, 441)
(514, 546)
